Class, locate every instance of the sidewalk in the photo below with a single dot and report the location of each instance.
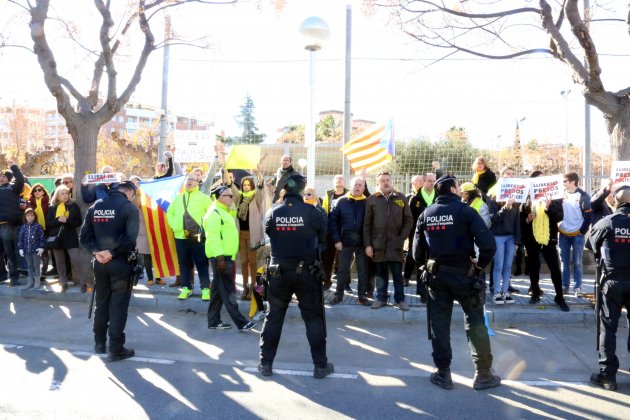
(158, 298)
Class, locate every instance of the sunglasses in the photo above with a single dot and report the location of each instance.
(227, 195)
(38, 190)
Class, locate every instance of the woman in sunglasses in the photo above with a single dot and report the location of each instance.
(39, 202)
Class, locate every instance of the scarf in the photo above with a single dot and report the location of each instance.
(243, 206)
(61, 211)
(349, 195)
(475, 178)
(428, 198)
(39, 212)
(540, 224)
(312, 201)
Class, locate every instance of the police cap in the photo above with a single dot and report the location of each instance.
(295, 184)
(444, 183)
(622, 194)
(128, 185)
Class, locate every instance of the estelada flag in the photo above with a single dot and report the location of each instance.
(155, 197)
(371, 149)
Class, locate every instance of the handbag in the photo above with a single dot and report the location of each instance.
(54, 241)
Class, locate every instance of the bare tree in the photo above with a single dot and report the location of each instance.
(560, 29)
(85, 114)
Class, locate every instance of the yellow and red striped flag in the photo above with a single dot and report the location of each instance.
(155, 197)
(372, 149)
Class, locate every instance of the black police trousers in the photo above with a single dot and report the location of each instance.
(615, 294)
(309, 294)
(113, 291)
(444, 289)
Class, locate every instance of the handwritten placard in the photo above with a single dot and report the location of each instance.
(194, 145)
(620, 172)
(546, 187)
(103, 178)
(512, 188)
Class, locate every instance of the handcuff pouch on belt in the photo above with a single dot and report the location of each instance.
(136, 267)
(478, 294)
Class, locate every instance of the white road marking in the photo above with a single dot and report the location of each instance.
(305, 373)
(133, 359)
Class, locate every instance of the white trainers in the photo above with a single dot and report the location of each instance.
(498, 299)
(577, 292)
(507, 298)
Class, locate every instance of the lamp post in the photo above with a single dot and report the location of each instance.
(565, 95)
(315, 32)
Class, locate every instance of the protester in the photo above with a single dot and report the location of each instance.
(576, 208)
(31, 244)
(10, 218)
(285, 171)
(483, 177)
(472, 197)
(387, 224)
(346, 229)
(39, 201)
(221, 246)
(91, 193)
(249, 201)
(184, 216)
(539, 230)
(162, 169)
(330, 260)
(62, 220)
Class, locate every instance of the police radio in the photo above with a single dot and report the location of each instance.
(136, 267)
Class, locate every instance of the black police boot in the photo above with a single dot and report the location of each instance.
(125, 353)
(265, 370)
(100, 348)
(607, 382)
(321, 373)
(484, 378)
(442, 378)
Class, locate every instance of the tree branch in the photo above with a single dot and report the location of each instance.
(581, 32)
(107, 54)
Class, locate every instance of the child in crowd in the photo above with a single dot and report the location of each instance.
(31, 243)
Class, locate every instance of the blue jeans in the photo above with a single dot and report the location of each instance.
(187, 249)
(565, 243)
(8, 235)
(503, 258)
(381, 271)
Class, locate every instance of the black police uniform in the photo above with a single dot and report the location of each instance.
(610, 240)
(295, 229)
(448, 230)
(111, 224)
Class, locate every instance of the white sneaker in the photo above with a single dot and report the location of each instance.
(578, 292)
(498, 299)
(507, 297)
(259, 316)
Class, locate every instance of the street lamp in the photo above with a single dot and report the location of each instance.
(565, 95)
(315, 32)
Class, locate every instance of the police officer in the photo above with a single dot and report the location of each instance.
(296, 230)
(448, 231)
(109, 233)
(610, 240)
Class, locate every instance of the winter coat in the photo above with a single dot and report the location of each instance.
(504, 221)
(221, 232)
(69, 237)
(10, 198)
(256, 232)
(346, 220)
(197, 202)
(281, 180)
(486, 181)
(31, 238)
(599, 207)
(387, 225)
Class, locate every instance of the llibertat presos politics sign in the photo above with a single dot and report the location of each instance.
(512, 188)
(546, 187)
(620, 172)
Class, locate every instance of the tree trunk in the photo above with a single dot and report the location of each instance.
(618, 126)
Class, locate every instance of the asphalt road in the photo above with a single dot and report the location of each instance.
(183, 370)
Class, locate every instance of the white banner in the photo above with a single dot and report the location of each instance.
(546, 187)
(194, 145)
(620, 172)
(105, 178)
(512, 188)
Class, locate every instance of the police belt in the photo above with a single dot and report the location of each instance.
(291, 262)
(452, 270)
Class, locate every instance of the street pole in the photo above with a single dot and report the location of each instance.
(347, 115)
(164, 116)
(310, 132)
(565, 95)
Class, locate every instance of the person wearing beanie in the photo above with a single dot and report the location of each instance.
(185, 215)
(11, 185)
(449, 231)
(221, 247)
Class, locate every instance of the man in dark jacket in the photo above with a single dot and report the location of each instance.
(99, 191)
(387, 224)
(330, 257)
(602, 204)
(285, 171)
(346, 229)
(10, 219)
(109, 233)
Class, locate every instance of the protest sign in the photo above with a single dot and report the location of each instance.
(512, 188)
(546, 187)
(104, 178)
(194, 145)
(620, 172)
(243, 156)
